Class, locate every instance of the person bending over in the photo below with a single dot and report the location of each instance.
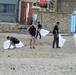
(13, 41)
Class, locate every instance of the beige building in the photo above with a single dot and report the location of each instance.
(48, 15)
(22, 10)
(37, 6)
(60, 11)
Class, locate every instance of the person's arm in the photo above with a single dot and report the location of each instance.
(29, 31)
(10, 42)
(9, 45)
(56, 31)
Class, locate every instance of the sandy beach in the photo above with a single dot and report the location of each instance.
(43, 60)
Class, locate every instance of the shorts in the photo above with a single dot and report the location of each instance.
(33, 36)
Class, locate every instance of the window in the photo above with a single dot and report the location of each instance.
(34, 4)
(7, 8)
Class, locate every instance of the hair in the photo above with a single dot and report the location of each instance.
(38, 22)
(8, 37)
(58, 23)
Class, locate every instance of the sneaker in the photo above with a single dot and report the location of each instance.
(33, 47)
(53, 47)
(58, 47)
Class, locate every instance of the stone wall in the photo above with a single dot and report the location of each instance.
(66, 7)
(8, 27)
(64, 10)
(48, 21)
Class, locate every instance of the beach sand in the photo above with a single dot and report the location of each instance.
(43, 60)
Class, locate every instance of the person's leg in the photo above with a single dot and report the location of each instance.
(40, 35)
(34, 42)
(53, 45)
(36, 34)
(57, 42)
(30, 43)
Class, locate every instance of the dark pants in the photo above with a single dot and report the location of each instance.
(38, 33)
(55, 41)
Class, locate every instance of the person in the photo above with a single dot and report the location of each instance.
(32, 32)
(56, 37)
(38, 30)
(13, 41)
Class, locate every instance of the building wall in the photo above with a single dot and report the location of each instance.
(48, 21)
(64, 10)
(66, 7)
(9, 17)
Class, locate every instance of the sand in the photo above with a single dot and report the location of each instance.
(43, 60)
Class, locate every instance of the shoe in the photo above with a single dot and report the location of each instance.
(33, 47)
(53, 47)
(58, 47)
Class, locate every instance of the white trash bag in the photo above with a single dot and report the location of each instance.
(61, 41)
(7, 44)
(44, 32)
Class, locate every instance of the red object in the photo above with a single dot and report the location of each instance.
(43, 2)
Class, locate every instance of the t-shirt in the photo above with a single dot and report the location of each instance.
(14, 40)
(39, 26)
(32, 30)
(55, 28)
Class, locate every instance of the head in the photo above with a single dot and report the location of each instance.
(38, 22)
(8, 37)
(58, 23)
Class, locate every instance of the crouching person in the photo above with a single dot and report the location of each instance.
(13, 41)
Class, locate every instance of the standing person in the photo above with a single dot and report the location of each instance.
(13, 41)
(56, 36)
(38, 29)
(32, 32)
